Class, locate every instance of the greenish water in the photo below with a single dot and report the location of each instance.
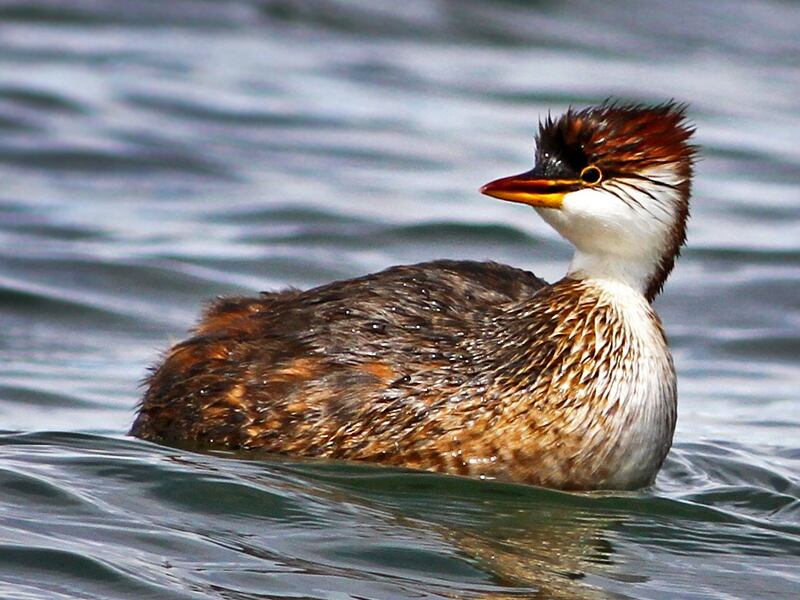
(154, 155)
(107, 517)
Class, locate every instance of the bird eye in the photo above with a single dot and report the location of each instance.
(591, 175)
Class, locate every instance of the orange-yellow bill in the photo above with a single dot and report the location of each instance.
(534, 191)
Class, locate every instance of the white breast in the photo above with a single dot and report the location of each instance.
(644, 385)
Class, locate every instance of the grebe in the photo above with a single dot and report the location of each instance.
(470, 368)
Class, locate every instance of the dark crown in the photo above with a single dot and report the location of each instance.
(620, 139)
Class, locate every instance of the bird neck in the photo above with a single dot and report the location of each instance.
(640, 273)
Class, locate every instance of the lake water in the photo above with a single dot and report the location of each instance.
(156, 154)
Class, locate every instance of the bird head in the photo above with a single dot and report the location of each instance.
(615, 181)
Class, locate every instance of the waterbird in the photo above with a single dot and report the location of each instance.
(462, 367)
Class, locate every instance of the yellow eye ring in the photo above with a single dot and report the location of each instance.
(591, 175)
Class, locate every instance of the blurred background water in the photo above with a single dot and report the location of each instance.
(156, 154)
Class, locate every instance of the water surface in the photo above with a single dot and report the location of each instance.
(154, 155)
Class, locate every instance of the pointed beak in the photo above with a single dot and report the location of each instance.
(526, 188)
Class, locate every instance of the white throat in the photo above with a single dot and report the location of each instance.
(623, 229)
(634, 272)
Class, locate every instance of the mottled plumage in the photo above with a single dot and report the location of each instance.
(471, 368)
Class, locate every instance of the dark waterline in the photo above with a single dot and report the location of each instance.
(153, 155)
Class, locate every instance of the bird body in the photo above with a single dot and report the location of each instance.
(476, 369)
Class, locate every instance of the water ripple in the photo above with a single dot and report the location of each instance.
(154, 155)
(356, 529)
